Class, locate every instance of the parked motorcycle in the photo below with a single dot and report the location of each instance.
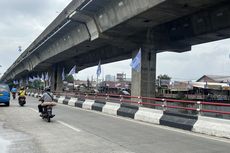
(22, 101)
(47, 110)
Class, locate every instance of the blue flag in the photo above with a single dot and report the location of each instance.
(63, 74)
(72, 71)
(99, 68)
(136, 62)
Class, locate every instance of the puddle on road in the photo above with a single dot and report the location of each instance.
(4, 145)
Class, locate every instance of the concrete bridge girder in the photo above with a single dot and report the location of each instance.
(207, 25)
(89, 21)
(60, 45)
(66, 43)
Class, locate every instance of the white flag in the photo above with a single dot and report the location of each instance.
(43, 76)
(47, 76)
(99, 68)
(63, 74)
(72, 71)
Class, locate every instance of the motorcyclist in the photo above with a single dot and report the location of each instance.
(46, 97)
(14, 91)
(22, 93)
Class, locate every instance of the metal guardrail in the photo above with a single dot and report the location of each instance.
(164, 104)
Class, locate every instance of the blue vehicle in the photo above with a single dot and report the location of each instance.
(5, 94)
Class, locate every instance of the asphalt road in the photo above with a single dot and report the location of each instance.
(74, 130)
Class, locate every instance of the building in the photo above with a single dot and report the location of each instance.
(109, 77)
(214, 79)
(114, 87)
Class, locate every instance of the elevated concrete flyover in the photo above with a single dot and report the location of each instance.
(87, 31)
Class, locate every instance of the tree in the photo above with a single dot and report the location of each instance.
(165, 76)
(70, 79)
(163, 82)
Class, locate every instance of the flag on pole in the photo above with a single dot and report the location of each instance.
(63, 74)
(136, 62)
(38, 77)
(47, 76)
(72, 71)
(43, 76)
(16, 81)
(30, 79)
(20, 82)
(27, 82)
(49, 81)
(19, 48)
(99, 68)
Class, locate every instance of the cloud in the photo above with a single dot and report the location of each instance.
(22, 21)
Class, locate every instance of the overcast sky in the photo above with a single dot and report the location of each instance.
(23, 20)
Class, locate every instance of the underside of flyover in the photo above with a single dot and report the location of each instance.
(119, 42)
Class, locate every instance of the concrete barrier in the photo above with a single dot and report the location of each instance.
(149, 115)
(72, 101)
(61, 99)
(178, 120)
(98, 105)
(79, 103)
(66, 100)
(111, 108)
(88, 104)
(212, 126)
(127, 110)
(40, 95)
(36, 95)
(56, 98)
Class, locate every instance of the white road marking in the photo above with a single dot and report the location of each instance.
(69, 126)
(63, 123)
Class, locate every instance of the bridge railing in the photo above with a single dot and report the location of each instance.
(214, 109)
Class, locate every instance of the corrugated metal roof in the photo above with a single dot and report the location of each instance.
(216, 78)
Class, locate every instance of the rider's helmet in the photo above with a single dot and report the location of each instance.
(47, 89)
(21, 88)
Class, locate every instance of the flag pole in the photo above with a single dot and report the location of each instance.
(97, 82)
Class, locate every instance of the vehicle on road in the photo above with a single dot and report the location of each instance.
(14, 95)
(22, 101)
(14, 91)
(5, 94)
(47, 110)
(22, 96)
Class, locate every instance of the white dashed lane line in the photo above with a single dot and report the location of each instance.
(63, 123)
(69, 126)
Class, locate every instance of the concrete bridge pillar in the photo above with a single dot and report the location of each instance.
(56, 78)
(143, 82)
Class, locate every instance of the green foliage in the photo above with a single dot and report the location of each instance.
(69, 79)
(38, 84)
(165, 76)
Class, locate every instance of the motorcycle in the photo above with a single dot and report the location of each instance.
(14, 95)
(47, 110)
(22, 101)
